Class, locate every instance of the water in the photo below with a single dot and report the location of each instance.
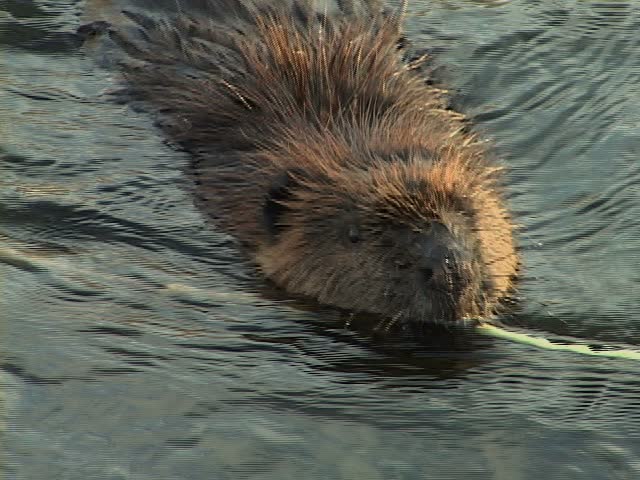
(139, 344)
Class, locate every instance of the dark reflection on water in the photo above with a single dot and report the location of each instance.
(140, 344)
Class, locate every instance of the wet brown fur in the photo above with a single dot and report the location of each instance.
(322, 116)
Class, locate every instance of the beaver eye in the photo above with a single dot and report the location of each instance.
(275, 202)
(354, 234)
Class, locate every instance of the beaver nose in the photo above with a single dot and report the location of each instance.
(437, 275)
(427, 273)
(437, 266)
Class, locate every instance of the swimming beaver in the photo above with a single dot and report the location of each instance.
(331, 158)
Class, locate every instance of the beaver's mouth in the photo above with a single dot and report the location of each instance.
(403, 321)
(442, 306)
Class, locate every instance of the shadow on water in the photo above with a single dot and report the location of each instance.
(435, 352)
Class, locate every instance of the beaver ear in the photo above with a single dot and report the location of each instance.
(275, 201)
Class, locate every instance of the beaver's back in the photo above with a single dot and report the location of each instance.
(239, 82)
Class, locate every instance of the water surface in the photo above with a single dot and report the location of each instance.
(139, 343)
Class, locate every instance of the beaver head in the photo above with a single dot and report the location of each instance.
(417, 236)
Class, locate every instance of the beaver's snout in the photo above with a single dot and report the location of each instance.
(442, 264)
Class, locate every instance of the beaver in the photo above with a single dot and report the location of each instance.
(329, 154)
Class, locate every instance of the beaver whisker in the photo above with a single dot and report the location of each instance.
(387, 323)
